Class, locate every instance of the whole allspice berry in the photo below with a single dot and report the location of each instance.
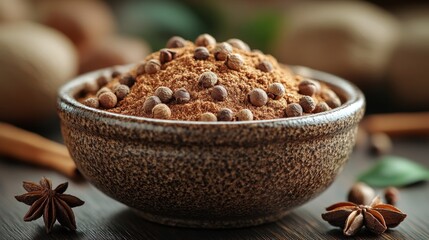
(321, 107)
(166, 55)
(176, 42)
(207, 79)
(208, 117)
(306, 87)
(219, 93)
(225, 114)
(238, 43)
(205, 40)
(128, 80)
(101, 81)
(234, 62)
(333, 102)
(102, 90)
(90, 87)
(244, 115)
(165, 94)
(293, 110)
(265, 66)
(307, 103)
(391, 194)
(361, 194)
(152, 66)
(182, 95)
(121, 91)
(150, 103)
(107, 100)
(258, 97)
(201, 53)
(276, 91)
(91, 102)
(140, 69)
(161, 111)
(222, 50)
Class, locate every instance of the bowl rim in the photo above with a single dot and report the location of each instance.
(355, 101)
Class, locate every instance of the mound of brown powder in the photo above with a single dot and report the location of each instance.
(189, 81)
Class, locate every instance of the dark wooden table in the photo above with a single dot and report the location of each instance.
(103, 218)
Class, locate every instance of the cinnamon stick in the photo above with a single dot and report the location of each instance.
(34, 149)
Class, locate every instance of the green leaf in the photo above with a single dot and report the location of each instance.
(394, 171)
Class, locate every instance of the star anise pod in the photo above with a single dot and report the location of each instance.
(376, 217)
(52, 204)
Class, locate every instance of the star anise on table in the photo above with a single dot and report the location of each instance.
(376, 217)
(52, 204)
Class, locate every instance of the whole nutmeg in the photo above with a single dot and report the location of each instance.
(258, 97)
(265, 66)
(128, 80)
(225, 114)
(161, 111)
(222, 50)
(150, 103)
(276, 91)
(201, 53)
(208, 117)
(307, 103)
(107, 100)
(165, 94)
(182, 95)
(244, 115)
(101, 81)
(237, 43)
(121, 91)
(166, 55)
(219, 93)
(306, 87)
(321, 107)
(391, 194)
(333, 102)
(176, 42)
(204, 40)
(92, 102)
(361, 194)
(102, 90)
(234, 62)
(207, 79)
(152, 66)
(293, 110)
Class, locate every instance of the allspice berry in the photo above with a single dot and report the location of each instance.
(107, 100)
(391, 194)
(152, 66)
(333, 102)
(121, 91)
(102, 90)
(150, 103)
(237, 43)
(90, 87)
(361, 194)
(207, 79)
(91, 102)
(244, 115)
(293, 110)
(321, 107)
(234, 62)
(276, 91)
(205, 40)
(222, 50)
(258, 97)
(141, 69)
(176, 42)
(307, 103)
(165, 94)
(265, 66)
(101, 81)
(208, 117)
(307, 88)
(161, 111)
(128, 80)
(219, 93)
(201, 53)
(225, 114)
(166, 55)
(182, 95)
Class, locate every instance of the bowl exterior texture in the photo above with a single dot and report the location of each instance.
(211, 174)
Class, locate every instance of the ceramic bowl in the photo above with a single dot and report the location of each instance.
(211, 175)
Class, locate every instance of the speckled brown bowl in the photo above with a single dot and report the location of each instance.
(212, 175)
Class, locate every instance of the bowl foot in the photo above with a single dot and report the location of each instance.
(210, 223)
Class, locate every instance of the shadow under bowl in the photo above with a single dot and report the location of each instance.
(211, 175)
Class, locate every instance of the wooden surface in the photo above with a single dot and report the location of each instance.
(103, 218)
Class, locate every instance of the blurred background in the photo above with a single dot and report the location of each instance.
(382, 46)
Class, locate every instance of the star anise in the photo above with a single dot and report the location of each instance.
(376, 217)
(52, 204)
